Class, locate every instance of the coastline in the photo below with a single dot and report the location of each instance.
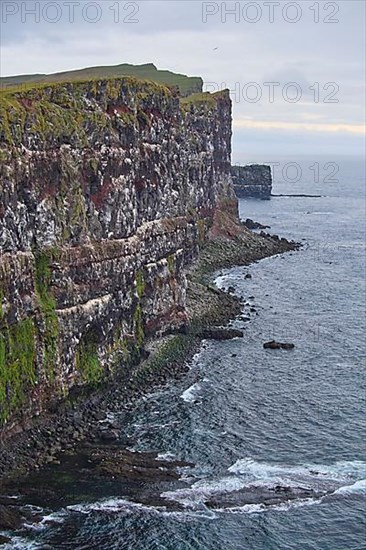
(85, 421)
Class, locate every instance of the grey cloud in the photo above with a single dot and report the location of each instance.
(173, 36)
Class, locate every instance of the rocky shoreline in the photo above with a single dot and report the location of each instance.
(84, 420)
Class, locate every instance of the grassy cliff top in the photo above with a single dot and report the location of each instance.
(54, 90)
(203, 99)
(67, 112)
(57, 112)
(186, 84)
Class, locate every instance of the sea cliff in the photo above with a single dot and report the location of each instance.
(116, 209)
(252, 181)
(107, 189)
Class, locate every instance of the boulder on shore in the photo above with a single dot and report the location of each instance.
(253, 180)
(278, 345)
(10, 517)
(250, 224)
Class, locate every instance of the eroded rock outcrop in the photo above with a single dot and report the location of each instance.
(254, 180)
(107, 189)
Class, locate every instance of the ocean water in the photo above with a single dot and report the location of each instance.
(255, 419)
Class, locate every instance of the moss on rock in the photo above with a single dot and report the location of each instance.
(17, 365)
(88, 364)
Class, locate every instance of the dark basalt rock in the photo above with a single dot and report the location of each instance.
(278, 345)
(250, 224)
(265, 496)
(254, 180)
(287, 346)
(10, 517)
(108, 435)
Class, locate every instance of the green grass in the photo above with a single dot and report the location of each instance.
(187, 85)
(88, 364)
(17, 365)
(202, 99)
(18, 372)
(171, 263)
(175, 350)
(140, 284)
(57, 113)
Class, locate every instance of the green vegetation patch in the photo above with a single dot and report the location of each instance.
(17, 365)
(204, 99)
(140, 284)
(175, 349)
(88, 364)
(171, 263)
(69, 112)
(148, 71)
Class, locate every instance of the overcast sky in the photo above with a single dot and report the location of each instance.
(312, 52)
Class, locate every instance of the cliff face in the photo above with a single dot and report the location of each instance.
(254, 181)
(107, 188)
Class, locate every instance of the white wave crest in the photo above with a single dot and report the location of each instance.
(202, 490)
(260, 508)
(357, 487)
(342, 470)
(122, 506)
(190, 394)
(20, 543)
(168, 457)
(342, 477)
(112, 505)
(321, 480)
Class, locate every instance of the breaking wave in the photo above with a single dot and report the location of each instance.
(190, 395)
(292, 485)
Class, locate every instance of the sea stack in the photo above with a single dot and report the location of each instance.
(254, 180)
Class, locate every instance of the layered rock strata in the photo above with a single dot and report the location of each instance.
(107, 189)
(254, 180)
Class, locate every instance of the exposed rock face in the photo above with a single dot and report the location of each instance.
(278, 345)
(254, 180)
(107, 189)
(250, 224)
